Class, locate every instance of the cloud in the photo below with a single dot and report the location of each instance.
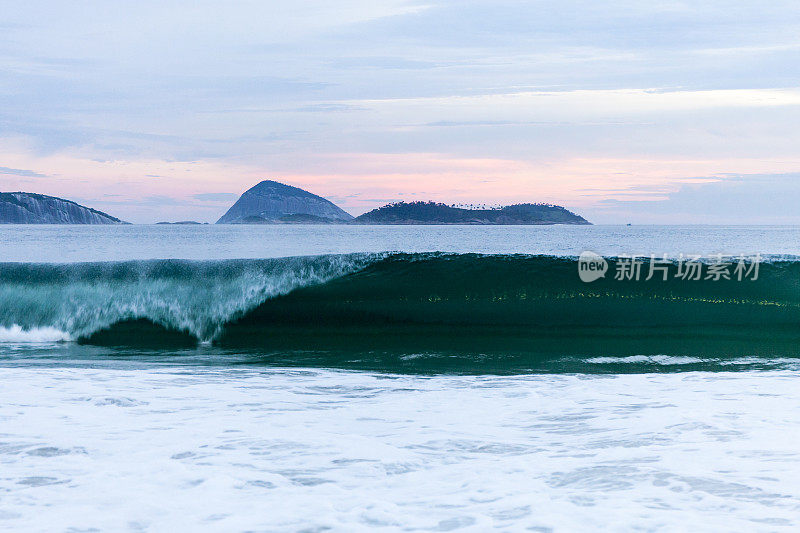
(329, 108)
(736, 199)
(216, 196)
(161, 200)
(381, 63)
(21, 172)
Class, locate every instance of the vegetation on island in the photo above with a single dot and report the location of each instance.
(440, 213)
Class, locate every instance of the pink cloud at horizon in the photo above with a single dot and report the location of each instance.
(147, 190)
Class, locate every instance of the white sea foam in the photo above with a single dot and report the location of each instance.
(230, 449)
(17, 334)
(651, 359)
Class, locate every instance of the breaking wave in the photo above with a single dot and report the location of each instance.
(407, 309)
(73, 301)
(16, 334)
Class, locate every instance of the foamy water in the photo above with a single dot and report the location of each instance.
(272, 450)
(17, 334)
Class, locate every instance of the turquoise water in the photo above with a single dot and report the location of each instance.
(396, 378)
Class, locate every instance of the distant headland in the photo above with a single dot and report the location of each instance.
(32, 208)
(272, 202)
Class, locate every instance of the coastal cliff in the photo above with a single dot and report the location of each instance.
(32, 208)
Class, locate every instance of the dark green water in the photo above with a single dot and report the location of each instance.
(454, 313)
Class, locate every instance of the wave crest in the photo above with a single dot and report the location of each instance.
(17, 334)
(486, 305)
(197, 297)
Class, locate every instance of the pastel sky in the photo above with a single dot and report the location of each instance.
(623, 111)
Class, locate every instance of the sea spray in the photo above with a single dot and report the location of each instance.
(69, 301)
(17, 334)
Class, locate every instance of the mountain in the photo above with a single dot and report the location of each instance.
(271, 202)
(32, 208)
(437, 213)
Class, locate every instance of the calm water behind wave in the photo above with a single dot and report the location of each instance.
(121, 243)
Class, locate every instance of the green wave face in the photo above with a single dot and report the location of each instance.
(522, 311)
(416, 313)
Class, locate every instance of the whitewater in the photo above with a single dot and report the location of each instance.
(68, 301)
(310, 378)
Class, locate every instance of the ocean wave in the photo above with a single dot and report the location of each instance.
(195, 297)
(434, 304)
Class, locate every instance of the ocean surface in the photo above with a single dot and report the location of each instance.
(399, 378)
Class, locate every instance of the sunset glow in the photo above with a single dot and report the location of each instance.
(363, 107)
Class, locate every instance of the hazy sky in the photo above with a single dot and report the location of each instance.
(624, 111)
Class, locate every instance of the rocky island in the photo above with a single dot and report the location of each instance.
(438, 213)
(32, 208)
(271, 202)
